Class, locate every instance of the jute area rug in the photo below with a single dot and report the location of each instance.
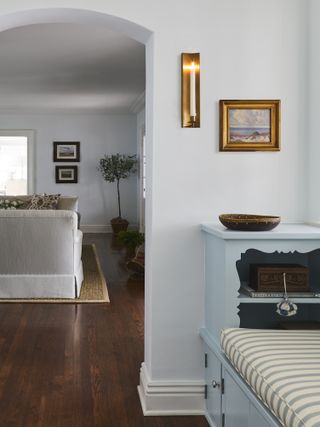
(94, 287)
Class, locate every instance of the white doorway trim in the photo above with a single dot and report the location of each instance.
(142, 177)
(30, 135)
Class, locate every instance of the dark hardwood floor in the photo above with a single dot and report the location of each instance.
(78, 365)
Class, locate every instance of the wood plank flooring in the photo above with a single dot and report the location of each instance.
(78, 365)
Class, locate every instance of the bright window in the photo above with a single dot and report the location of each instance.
(14, 174)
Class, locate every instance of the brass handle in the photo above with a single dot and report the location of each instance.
(215, 384)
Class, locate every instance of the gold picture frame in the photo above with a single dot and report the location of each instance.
(250, 125)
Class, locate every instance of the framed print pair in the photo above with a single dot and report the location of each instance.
(66, 152)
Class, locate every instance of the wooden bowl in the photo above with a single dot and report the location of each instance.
(243, 222)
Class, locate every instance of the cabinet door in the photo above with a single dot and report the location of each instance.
(256, 418)
(236, 404)
(213, 380)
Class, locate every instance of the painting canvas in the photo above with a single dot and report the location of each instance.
(66, 151)
(67, 174)
(249, 125)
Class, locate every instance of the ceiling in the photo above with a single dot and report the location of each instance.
(69, 68)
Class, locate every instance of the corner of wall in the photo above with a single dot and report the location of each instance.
(170, 397)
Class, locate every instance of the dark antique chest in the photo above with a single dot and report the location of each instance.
(269, 277)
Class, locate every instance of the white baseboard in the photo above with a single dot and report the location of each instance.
(103, 228)
(88, 228)
(170, 397)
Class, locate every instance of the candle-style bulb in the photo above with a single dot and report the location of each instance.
(193, 111)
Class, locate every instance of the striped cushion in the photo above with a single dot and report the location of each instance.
(282, 368)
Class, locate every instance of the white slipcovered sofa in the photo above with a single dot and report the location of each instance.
(40, 253)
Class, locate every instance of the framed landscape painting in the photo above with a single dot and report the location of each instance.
(66, 151)
(250, 125)
(66, 174)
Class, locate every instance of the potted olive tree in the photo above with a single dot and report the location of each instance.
(115, 167)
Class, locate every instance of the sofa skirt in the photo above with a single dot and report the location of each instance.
(40, 286)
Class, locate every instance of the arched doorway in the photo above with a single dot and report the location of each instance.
(136, 32)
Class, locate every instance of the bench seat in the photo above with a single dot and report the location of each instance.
(282, 368)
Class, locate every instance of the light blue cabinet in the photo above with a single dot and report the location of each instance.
(228, 255)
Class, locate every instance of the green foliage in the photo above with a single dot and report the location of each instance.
(10, 204)
(131, 238)
(117, 166)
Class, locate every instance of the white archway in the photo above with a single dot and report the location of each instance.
(142, 35)
(64, 15)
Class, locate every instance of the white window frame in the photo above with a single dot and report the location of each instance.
(30, 135)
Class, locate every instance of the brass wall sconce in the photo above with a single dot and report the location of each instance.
(190, 90)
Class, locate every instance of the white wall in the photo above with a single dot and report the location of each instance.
(141, 126)
(313, 111)
(98, 134)
(249, 49)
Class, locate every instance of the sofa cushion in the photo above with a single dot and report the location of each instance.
(68, 203)
(44, 201)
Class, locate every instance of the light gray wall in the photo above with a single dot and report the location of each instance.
(98, 134)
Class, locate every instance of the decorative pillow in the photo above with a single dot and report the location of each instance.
(11, 204)
(68, 203)
(25, 202)
(44, 201)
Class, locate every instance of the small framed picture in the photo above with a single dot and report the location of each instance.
(66, 174)
(252, 125)
(66, 151)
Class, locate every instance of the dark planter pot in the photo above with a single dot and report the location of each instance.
(119, 224)
(130, 252)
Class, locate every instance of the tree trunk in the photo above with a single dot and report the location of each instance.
(118, 192)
